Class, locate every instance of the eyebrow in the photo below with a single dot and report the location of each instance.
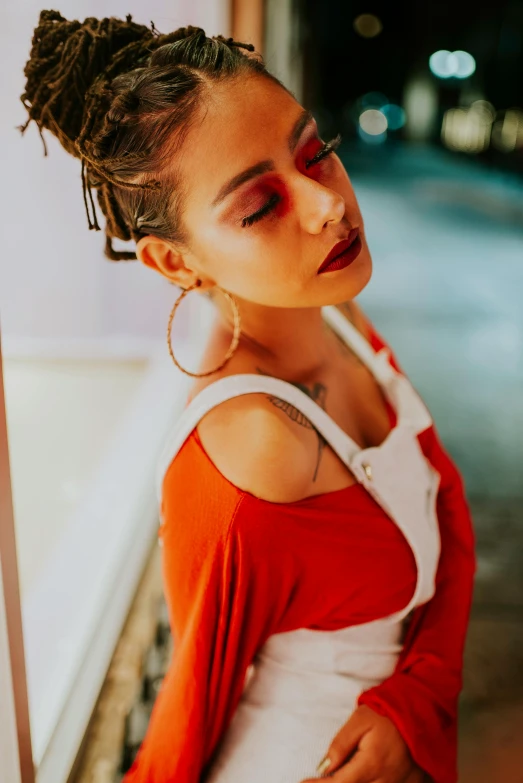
(265, 165)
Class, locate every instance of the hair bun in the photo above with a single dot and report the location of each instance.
(115, 94)
(66, 59)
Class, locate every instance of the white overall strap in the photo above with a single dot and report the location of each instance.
(405, 484)
(248, 383)
(408, 404)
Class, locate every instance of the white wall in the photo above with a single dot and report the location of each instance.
(59, 293)
(55, 281)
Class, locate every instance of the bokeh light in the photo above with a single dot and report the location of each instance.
(373, 100)
(507, 132)
(374, 115)
(464, 130)
(420, 100)
(395, 115)
(373, 122)
(485, 111)
(367, 25)
(458, 64)
(473, 129)
(372, 138)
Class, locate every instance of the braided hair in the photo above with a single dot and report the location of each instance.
(121, 97)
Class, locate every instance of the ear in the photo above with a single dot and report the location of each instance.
(165, 259)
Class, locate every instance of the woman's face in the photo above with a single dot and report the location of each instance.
(253, 124)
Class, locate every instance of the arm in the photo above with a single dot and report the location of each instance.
(421, 697)
(209, 578)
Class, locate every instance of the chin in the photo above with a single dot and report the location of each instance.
(367, 267)
(353, 279)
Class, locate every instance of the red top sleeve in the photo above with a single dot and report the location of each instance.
(209, 588)
(421, 697)
(222, 603)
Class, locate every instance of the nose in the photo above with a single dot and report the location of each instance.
(318, 206)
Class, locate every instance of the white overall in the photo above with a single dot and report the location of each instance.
(303, 684)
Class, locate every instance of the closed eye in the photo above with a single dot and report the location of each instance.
(328, 148)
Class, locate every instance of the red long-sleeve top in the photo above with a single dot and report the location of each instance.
(237, 568)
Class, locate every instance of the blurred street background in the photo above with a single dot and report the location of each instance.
(429, 99)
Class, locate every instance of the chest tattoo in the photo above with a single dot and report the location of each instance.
(317, 392)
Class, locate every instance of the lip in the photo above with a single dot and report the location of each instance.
(342, 247)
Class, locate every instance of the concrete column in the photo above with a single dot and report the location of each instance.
(247, 22)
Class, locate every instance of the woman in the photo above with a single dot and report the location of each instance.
(318, 553)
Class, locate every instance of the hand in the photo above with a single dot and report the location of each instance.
(369, 749)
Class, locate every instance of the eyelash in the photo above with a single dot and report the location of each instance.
(327, 149)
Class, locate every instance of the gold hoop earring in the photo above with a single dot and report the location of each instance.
(235, 338)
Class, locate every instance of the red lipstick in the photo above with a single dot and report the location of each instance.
(343, 253)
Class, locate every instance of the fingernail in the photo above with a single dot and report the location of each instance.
(324, 765)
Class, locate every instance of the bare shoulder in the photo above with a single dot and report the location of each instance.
(259, 448)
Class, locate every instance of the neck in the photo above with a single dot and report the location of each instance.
(292, 342)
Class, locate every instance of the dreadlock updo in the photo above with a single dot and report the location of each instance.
(120, 97)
